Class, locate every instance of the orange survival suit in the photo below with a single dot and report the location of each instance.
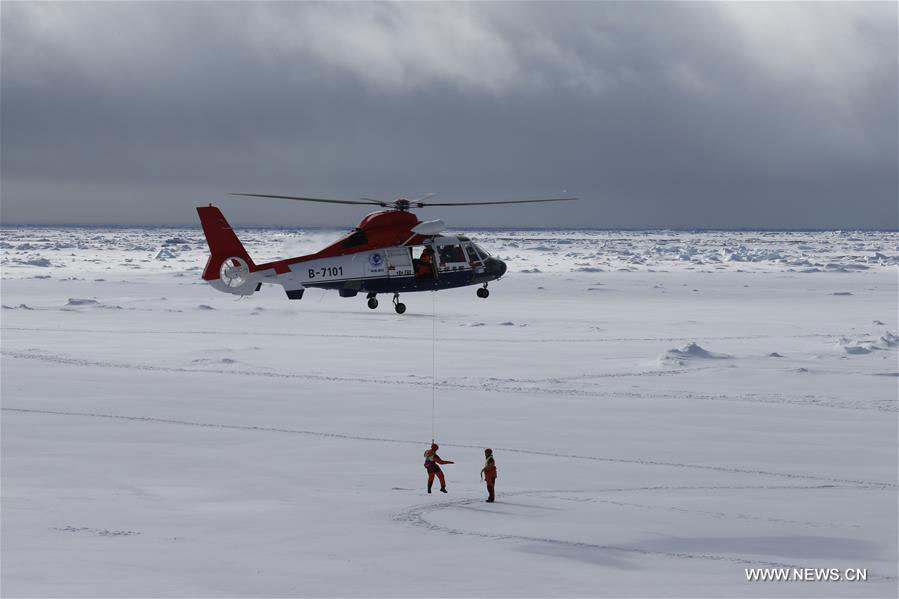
(432, 465)
(425, 264)
(488, 473)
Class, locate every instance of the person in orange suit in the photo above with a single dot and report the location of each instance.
(432, 465)
(426, 264)
(488, 473)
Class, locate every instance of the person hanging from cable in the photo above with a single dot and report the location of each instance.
(488, 473)
(432, 465)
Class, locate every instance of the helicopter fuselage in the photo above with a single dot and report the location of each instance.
(422, 261)
(459, 263)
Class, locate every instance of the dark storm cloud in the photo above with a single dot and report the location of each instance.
(656, 114)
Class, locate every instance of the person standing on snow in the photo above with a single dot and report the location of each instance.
(432, 465)
(488, 473)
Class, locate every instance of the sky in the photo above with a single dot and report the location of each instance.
(654, 114)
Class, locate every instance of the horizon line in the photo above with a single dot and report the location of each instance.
(748, 229)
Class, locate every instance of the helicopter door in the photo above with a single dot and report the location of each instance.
(399, 262)
(423, 262)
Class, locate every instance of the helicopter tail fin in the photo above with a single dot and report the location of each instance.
(223, 243)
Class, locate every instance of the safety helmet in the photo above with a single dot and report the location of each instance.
(488, 451)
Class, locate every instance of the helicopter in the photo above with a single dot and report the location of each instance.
(390, 251)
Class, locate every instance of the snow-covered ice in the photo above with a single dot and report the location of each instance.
(161, 439)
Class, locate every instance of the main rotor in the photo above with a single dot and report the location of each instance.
(401, 204)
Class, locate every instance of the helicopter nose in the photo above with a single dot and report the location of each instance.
(496, 267)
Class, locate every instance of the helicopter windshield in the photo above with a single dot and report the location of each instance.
(476, 252)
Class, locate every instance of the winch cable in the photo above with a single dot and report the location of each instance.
(434, 366)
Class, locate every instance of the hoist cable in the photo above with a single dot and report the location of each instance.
(434, 366)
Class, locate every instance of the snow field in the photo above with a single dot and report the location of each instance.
(649, 443)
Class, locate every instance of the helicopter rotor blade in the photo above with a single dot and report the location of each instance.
(419, 201)
(364, 201)
(401, 204)
(428, 205)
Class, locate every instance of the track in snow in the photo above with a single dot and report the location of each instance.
(419, 338)
(491, 386)
(724, 469)
(416, 516)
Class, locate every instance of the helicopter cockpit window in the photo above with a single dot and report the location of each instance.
(451, 253)
(357, 237)
(473, 255)
(484, 254)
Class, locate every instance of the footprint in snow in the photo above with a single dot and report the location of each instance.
(19, 307)
(101, 532)
(213, 361)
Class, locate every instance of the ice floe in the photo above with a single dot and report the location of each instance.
(559, 251)
(42, 262)
(689, 352)
(77, 301)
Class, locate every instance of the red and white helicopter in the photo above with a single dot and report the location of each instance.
(389, 251)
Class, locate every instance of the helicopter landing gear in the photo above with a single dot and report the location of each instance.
(397, 304)
(483, 292)
(372, 301)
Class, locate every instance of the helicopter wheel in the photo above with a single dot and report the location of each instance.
(372, 303)
(483, 292)
(397, 304)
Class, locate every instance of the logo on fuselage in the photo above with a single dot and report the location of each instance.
(375, 259)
